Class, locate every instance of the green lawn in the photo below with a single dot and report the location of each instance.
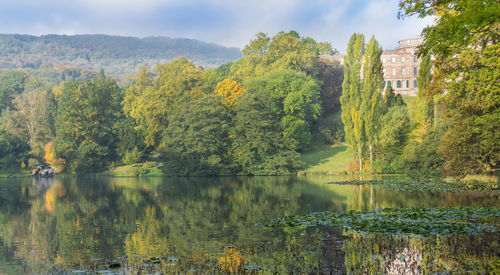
(15, 172)
(327, 160)
(138, 169)
(410, 100)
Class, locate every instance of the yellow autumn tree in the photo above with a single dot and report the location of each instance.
(155, 96)
(230, 90)
(50, 157)
(58, 90)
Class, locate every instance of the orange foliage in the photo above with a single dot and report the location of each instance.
(55, 191)
(354, 166)
(232, 261)
(423, 127)
(230, 90)
(50, 158)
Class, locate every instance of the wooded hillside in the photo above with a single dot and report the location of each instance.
(115, 54)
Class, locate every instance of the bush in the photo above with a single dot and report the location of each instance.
(138, 171)
(381, 166)
(133, 156)
(421, 158)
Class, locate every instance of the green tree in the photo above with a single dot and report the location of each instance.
(330, 75)
(11, 83)
(373, 84)
(258, 144)
(390, 99)
(425, 111)
(150, 100)
(472, 143)
(130, 146)
(422, 158)
(13, 151)
(31, 119)
(284, 51)
(197, 138)
(294, 97)
(288, 51)
(464, 42)
(351, 98)
(393, 133)
(86, 117)
(259, 46)
(459, 25)
(424, 77)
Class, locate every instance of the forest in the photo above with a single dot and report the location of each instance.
(258, 114)
(117, 55)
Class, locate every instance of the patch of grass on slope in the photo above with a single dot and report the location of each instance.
(327, 160)
(150, 168)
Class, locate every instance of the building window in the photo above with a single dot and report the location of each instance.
(383, 72)
(415, 84)
(398, 84)
(393, 71)
(407, 83)
(393, 60)
(403, 59)
(384, 60)
(388, 84)
(415, 71)
(403, 71)
(415, 58)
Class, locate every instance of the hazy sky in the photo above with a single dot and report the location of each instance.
(226, 22)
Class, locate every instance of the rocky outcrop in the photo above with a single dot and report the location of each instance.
(44, 171)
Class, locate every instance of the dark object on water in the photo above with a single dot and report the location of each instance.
(44, 171)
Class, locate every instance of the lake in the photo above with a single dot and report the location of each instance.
(106, 225)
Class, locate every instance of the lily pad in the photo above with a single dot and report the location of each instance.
(419, 221)
(436, 186)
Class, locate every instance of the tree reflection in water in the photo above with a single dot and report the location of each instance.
(142, 225)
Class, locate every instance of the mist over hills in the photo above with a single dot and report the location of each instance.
(117, 55)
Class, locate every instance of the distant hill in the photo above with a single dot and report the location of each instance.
(115, 54)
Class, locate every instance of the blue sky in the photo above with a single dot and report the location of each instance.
(226, 22)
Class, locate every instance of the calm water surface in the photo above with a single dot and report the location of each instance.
(211, 225)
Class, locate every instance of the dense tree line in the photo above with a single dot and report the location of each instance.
(464, 89)
(454, 128)
(256, 115)
(375, 120)
(252, 116)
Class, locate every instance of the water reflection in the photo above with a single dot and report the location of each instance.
(209, 225)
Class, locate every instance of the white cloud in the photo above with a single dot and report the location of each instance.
(227, 22)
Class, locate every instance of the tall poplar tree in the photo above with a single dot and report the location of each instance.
(351, 96)
(373, 84)
(424, 96)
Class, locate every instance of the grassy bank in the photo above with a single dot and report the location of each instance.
(327, 160)
(320, 160)
(149, 168)
(15, 173)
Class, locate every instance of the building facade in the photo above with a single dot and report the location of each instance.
(400, 66)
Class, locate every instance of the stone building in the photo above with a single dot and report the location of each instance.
(400, 66)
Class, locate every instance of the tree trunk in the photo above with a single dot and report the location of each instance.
(371, 157)
(360, 160)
